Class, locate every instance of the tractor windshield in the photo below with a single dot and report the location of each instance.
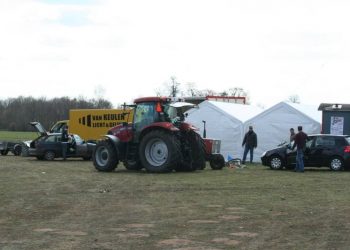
(144, 115)
(170, 111)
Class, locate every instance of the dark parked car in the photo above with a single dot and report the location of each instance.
(321, 150)
(48, 146)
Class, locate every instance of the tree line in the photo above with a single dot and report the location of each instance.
(16, 113)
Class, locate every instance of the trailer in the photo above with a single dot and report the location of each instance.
(92, 124)
(8, 146)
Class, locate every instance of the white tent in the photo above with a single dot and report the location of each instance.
(224, 121)
(272, 126)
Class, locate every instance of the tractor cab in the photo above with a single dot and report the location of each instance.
(144, 115)
(158, 109)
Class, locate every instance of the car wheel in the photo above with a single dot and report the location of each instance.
(17, 149)
(275, 162)
(336, 163)
(49, 155)
(4, 152)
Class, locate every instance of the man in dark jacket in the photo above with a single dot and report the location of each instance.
(64, 141)
(299, 142)
(250, 141)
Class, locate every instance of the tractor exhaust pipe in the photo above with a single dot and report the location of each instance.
(205, 130)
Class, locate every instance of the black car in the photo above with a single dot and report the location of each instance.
(321, 150)
(48, 146)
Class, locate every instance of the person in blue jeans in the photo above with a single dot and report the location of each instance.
(250, 142)
(299, 142)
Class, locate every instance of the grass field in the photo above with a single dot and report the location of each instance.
(69, 205)
(17, 136)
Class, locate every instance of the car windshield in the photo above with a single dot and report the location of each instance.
(348, 139)
(78, 139)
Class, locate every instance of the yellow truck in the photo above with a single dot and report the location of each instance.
(91, 124)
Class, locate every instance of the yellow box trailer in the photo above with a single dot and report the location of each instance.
(91, 124)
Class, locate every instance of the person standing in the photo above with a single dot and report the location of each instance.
(64, 141)
(292, 134)
(250, 142)
(299, 142)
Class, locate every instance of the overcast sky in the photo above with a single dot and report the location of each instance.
(271, 48)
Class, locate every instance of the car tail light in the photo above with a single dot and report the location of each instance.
(347, 149)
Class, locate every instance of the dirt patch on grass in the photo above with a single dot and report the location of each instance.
(139, 225)
(214, 206)
(2, 221)
(230, 217)
(133, 235)
(196, 248)
(118, 229)
(60, 232)
(235, 208)
(44, 230)
(175, 242)
(226, 241)
(203, 221)
(245, 234)
(71, 233)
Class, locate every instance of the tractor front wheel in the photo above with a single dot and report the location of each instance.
(159, 151)
(217, 162)
(105, 156)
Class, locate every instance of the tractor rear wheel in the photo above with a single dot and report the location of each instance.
(194, 157)
(159, 151)
(105, 156)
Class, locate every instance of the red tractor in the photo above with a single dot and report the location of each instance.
(158, 140)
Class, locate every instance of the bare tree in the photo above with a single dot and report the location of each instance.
(237, 92)
(16, 113)
(175, 87)
(294, 98)
(170, 88)
(191, 89)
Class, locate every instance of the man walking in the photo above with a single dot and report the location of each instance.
(250, 142)
(299, 142)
